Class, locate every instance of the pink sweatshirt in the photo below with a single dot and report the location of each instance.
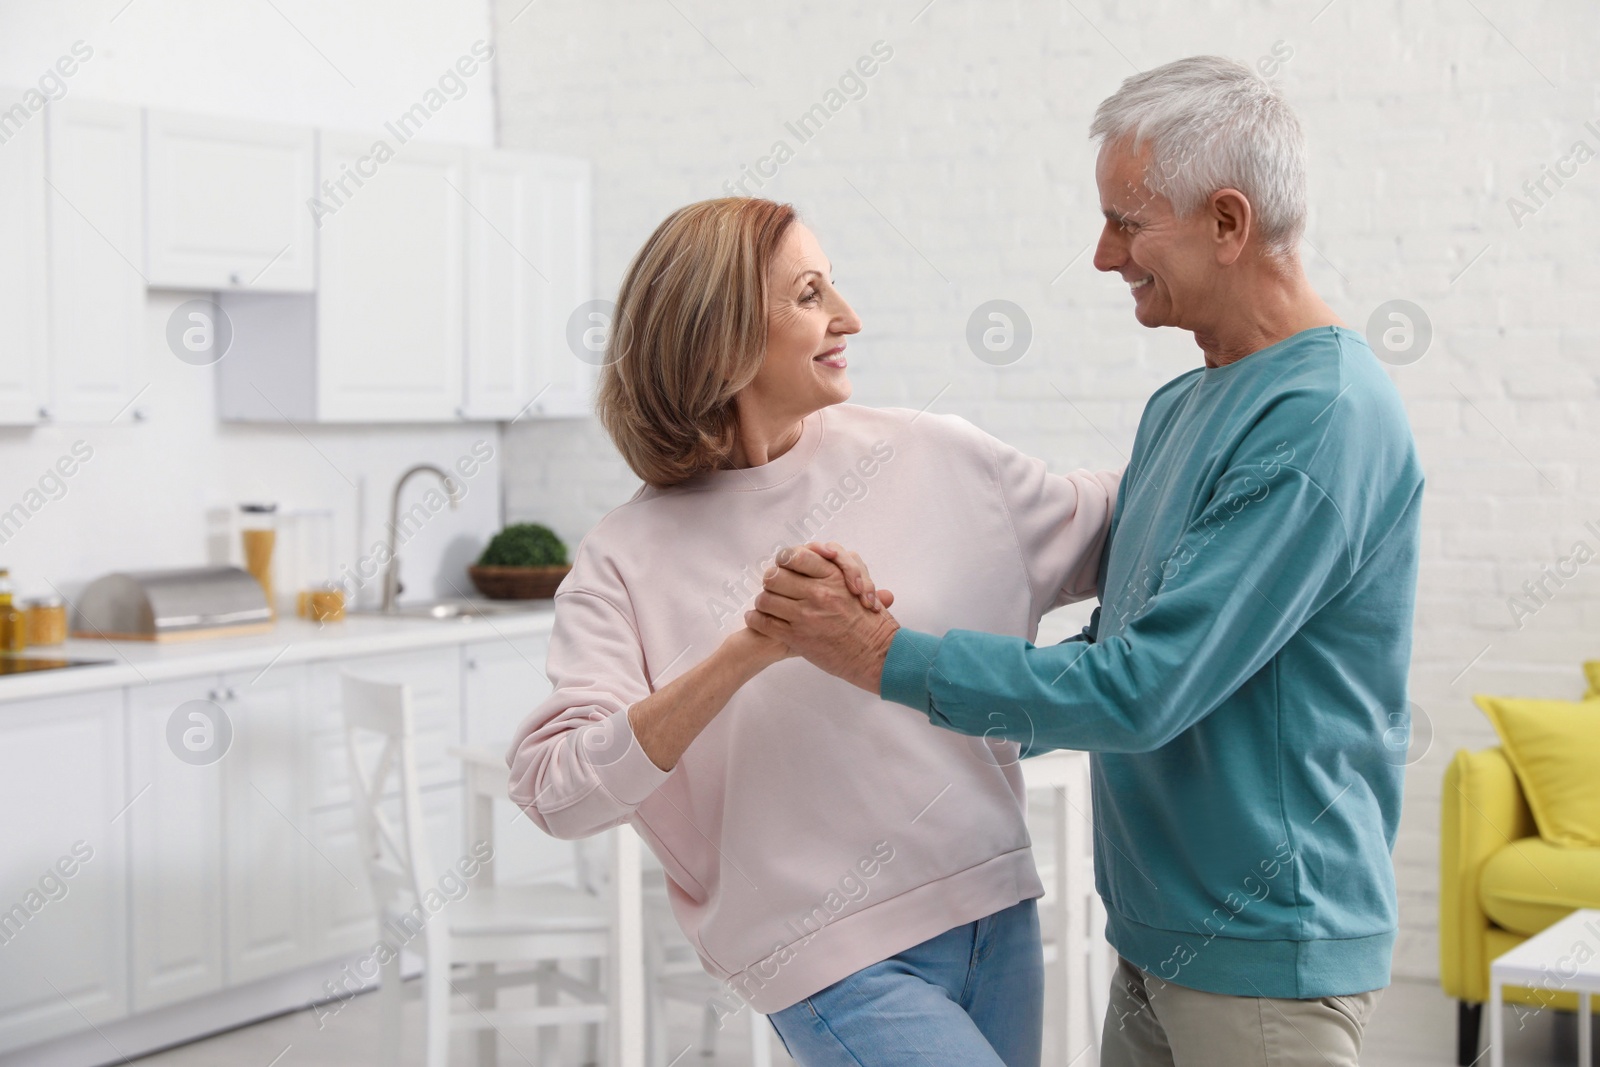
(811, 830)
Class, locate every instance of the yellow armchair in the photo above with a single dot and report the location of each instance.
(1500, 884)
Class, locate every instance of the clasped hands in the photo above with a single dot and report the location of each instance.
(820, 602)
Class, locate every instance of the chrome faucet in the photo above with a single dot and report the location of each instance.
(391, 574)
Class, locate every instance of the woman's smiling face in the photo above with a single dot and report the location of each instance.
(805, 368)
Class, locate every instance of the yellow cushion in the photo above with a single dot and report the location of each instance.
(1591, 671)
(1531, 884)
(1554, 745)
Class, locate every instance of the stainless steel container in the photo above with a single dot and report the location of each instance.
(166, 605)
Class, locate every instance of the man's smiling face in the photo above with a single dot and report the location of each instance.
(1168, 262)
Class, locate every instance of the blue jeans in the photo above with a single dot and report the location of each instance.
(971, 997)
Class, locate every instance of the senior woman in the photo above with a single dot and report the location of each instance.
(841, 865)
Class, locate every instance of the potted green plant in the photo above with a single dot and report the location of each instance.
(525, 561)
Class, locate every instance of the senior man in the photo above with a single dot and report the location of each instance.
(1250, 651)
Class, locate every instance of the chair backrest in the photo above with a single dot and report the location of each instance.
(396, 855)
(591, 861)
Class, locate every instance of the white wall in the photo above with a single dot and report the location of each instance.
(964, 174)
(140, 501)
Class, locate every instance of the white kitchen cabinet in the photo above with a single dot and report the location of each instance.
(389, 308)
(229, 204)
(504, 681)
(341, 916)
(528, 273)
(97, 289)
(446, 282)
(266, 856)
(63, 867)
(568, 250)
(175, 843)
(24, 357)
(210, 887)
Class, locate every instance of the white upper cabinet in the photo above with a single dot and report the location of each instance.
(527, 275)
(97, 287)
(502, 285)
(563, 329)
(365, 282)
(389, 326)
(24, 365)
(229, 204)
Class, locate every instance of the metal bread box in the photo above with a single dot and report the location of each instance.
(168, 605)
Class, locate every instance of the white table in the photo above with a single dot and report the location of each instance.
(486, 783)
(1550, 961)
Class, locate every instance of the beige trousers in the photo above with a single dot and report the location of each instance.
(1151, 1023)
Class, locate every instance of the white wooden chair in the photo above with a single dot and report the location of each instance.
(1072, 917)
(539, 925)
(675, 974)
(671, 970)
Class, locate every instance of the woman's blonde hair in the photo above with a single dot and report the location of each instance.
(690, 331)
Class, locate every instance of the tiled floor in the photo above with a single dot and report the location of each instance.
(1414, 1027)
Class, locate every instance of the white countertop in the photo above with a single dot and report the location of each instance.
(130, 663)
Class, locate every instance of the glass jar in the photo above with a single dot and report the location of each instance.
(258, 534)
(13, 623)
(325, 604)
(47, 621)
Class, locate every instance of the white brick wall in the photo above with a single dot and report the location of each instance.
(964, 175)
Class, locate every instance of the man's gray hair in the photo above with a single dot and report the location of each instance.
(1211, 123)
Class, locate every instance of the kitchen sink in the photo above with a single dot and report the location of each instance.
(454, 610)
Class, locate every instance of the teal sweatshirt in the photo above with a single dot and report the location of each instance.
(1242, 686)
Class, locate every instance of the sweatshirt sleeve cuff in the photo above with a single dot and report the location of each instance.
(618, 760)
(905, 669)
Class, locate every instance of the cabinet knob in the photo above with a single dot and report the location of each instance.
(214, 696)
(233, 279)
(229, 694)
(44, 414)
(472, 664)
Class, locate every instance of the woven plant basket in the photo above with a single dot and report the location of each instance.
(517, 583)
